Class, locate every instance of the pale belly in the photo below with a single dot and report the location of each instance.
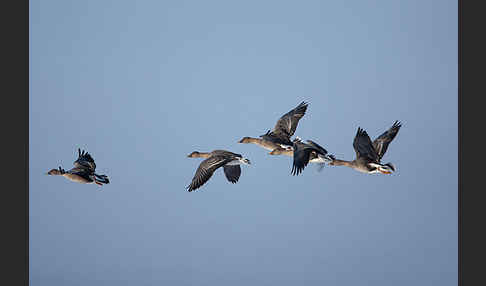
(319, 159)
(77, 179)
(271, 146)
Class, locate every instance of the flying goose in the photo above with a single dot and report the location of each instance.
(83, 171)
(369, 154)
(285, 128)
(307, 153)
(304, 153)
(215, 159)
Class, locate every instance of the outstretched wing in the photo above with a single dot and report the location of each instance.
(363, 146)
(85, 161)
(381, 143)
(287, 124)
(302, 154)
(205, 171)
(232, 172)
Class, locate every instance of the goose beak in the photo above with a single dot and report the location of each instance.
(385, 172)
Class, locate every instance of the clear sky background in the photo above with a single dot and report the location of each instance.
(141, 84)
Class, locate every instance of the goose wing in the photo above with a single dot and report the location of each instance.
(287, 124)
(85, 161)
(232, 172)
(381, 142)
(302, 153)
(363, 146)
(206, 170)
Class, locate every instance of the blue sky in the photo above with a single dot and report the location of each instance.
(141, 84)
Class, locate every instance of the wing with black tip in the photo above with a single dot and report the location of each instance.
(85, 161)
(381, 142)
(287, 124)
(232, 172)
(363, 146)
(301, 156)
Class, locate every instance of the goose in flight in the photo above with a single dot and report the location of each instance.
(369, 154)
(285, 128)
(228, 160)
(305, 153)
(82, 172)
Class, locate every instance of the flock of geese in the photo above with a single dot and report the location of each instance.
(278, 141)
